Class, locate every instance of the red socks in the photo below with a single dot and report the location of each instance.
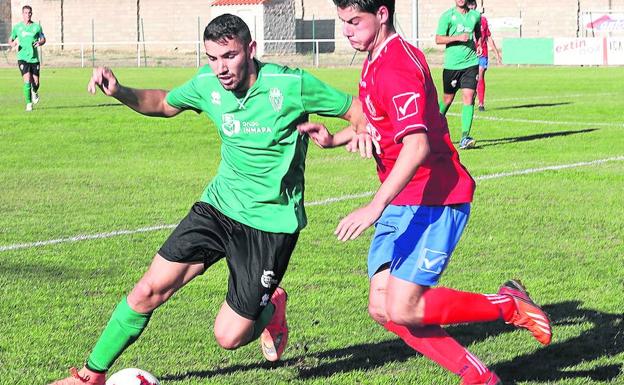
(434, 343)
(481, 90)
(445, 306)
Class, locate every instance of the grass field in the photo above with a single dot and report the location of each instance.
(549, 209)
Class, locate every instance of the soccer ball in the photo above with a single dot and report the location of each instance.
(132, 376)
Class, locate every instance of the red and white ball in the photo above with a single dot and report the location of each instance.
(132, 376)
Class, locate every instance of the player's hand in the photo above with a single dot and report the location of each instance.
(479, 50)
(318, 133)
(499, 61)
(364, 144)
(354, 224)
(464, 37)
(105, 80)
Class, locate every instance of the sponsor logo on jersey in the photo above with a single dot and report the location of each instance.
(230, 126)
(215, 98)
(405, 105)
(268, 279)
(276, 98)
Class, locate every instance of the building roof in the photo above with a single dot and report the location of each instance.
(239, 2)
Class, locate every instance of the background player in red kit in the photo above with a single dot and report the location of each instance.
(484, 61)
(423, 203)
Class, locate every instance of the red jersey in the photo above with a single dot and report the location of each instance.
(485, 33)
(399, 98)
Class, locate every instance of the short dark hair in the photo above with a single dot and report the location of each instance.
(27, 7)
(227, 27)
(369, 6)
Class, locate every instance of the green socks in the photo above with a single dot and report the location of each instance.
(466, 119)
(262, 321)
(123, 328)
(27, 89)
(443, 107)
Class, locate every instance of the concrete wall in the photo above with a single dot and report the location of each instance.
(5, 20)
(116, 20)
(279, 24)
(166, 20)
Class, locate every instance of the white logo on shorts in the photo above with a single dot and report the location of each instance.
(265, 300)
(268, 278)
(432, 261)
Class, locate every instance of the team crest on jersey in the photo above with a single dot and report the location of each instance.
(406, 105)
(216, 98)
(230, 126)
(276, 98)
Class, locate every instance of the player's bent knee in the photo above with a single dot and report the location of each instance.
(404, 316)
(228, 340)
(144, 297)
(377, 313)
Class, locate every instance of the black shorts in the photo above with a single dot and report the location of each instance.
(26, 67)
(456, 79)
(256, 259)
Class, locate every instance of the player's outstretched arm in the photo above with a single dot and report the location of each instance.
(443, 39)
(498, 55)
(146, 102)
(355, 138)
(414, 152)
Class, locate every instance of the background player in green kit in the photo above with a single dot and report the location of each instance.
(459, 29)
(27, 36)
(250, 213)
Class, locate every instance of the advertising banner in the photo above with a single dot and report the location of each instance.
(603, 21)
(579, 51)
(615, 51)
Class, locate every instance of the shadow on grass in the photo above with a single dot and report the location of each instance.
(81, 106)
(546, 135)
(534, 105)
(604, 340)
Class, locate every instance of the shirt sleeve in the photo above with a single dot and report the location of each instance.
(404, 96)
(40, 33)
(14, 32)
(186, 96)
(320, 98)
(443, 26)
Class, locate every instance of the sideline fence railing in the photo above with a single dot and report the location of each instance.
(296, 52)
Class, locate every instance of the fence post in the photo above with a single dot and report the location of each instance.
(82, 55)
(316, 55)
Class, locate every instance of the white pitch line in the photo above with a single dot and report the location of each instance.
(553, 122)
(323, 202)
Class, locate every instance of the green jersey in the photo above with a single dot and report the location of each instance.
(27, 35)
(259, 181)
(460, 55)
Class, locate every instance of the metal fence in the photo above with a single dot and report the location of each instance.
(300, 53)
